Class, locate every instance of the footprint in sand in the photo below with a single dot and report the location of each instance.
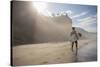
(45, 62)
(63, 54)
(58, 58)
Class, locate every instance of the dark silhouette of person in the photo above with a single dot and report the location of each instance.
(74, 38)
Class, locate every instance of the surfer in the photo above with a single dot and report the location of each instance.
(75, 37)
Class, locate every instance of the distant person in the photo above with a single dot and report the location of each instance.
(75, 37)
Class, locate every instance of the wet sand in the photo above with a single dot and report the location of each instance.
(54, 53)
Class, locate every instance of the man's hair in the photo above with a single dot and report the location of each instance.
(73, 28)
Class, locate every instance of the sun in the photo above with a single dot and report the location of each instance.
(40, 6)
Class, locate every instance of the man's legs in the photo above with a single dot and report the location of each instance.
(76, 44)
(72, 45)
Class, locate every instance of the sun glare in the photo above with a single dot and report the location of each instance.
(40, 6)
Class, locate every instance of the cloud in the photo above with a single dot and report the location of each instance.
(68, 12)
(47, 13)
(88, 23)
(88, 20)
(79, 15)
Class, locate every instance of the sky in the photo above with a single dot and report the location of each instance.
(84, 16)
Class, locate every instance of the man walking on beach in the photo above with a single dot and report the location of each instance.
(74, 37)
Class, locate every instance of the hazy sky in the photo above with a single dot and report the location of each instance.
(84, 16)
